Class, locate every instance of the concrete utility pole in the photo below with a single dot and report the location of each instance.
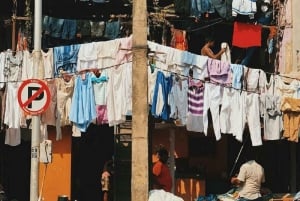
(35, 132)
(139, 178)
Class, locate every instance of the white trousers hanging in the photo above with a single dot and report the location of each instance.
(229, 110)
(212, 101)
(248, 113)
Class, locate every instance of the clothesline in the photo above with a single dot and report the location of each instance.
(71, 74)
(155, 52)
(206, 81)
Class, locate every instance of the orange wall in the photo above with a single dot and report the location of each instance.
(216, 165)
(58, 173)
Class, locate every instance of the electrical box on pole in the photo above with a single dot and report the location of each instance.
(46, 151)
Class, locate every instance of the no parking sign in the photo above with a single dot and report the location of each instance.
(34, 96)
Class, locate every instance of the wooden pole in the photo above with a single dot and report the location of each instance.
(140, 175)
(13, 34)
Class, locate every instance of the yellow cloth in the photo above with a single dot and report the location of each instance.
(291, 118)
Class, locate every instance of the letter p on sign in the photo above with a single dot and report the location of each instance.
(34, 96)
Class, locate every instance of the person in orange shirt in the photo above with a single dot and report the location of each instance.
(161, 174)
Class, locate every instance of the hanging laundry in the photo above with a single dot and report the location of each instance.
(22, 43)
(230, 106)
(237, 75)
(47, 63)
(179, 40)
(246, 35)
(65, 59)
(224, 8)
(107, 52)
(272, 115)
(199, 7)
(152, 74)
(12, 116)
(249, 107)
(119, 96)
(219, 71)
(254, 80)
(49, 117)
(249, 113)
(178, 99)
(291, 118)
(163, 55)
(87, 56)
(226, 56)
(97, 28)
(266, 16)
(212, 100)
(83, 30)
(244, 7)
(271, 40)
(13, 66)
(27, 67)
(53, 26)
(65, 90)
(83, 107)
(124, 53)
(12, 70)
(163, 86)
(197, 63)
(195, 95)
(69, 29)
(231, 101)
(112, 29)
(100, 90)
(2, 67)
(287, 89)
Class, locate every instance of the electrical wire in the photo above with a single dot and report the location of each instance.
(206, 26)
(43, 181)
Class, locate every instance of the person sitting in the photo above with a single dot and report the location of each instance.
(250, 178)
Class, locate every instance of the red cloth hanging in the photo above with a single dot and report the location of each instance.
(246, 35)
(178, 40)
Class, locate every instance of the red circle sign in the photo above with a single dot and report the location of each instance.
(34, 96)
